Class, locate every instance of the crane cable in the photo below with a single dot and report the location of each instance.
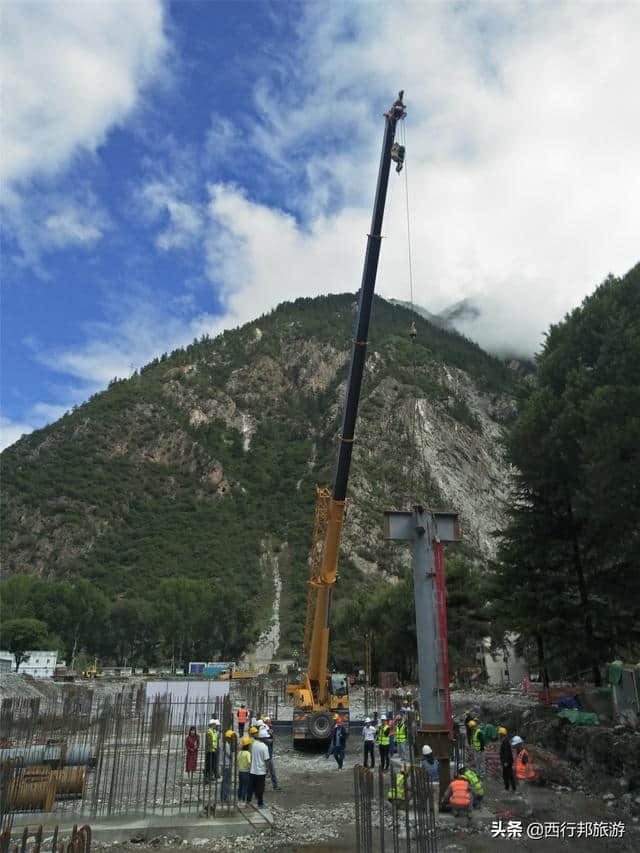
(415, 413)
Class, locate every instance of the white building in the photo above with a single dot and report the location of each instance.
(504, 668)
(39, 664)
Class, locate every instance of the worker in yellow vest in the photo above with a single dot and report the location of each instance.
(384, 739)
(525, 772)
(244, 768)
(458, 796)
(211, 750)
(401, 736)
(477, 742)
(477, 790)
(397, 792)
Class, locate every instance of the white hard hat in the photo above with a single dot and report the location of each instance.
(383, 716)
(516, 740)
(212, 722)
(426, 749)
(216, 722)
(368, 720)
(263, 733)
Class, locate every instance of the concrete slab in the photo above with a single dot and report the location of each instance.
(245, 822)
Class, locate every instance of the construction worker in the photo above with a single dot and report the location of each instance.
(468, 718)
(525, 772)
(338, 740)
(458, 797)
(477, 742)
(260, 767)
(211, 750)
(477, 790)
(244, 766)
(506, 760)
(383, 742)
(392, 734)
(430, 764)
(230, 749)
(397, 793)
(241, 715)
(369, 735)
(401, 736)
(413, 332)
(270, 741)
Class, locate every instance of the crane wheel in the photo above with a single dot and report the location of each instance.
(320, 725)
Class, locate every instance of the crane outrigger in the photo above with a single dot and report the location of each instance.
(320, 694)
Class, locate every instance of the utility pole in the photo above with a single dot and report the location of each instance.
(426, 531)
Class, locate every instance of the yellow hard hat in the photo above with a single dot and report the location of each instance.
(502, 730)
(246, 741)
(229, 733)
(471, 723)
(336, 716)
(253, 730)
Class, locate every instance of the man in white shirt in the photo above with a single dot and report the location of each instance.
(369, 735)
(260, 766)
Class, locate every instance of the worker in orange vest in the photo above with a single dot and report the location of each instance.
(525, 772)
(458, 796)
(242, 715)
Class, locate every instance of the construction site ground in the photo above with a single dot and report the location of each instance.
(314, 808)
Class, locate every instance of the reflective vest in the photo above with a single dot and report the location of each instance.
(242, 715)
(212, 740)
(397, 792)
(475, 739)
(460, 794)
(244, 760)
(524, 771)
(474, 781)
(401, 733)
(383, 735)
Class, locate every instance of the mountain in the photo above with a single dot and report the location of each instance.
(198, 472)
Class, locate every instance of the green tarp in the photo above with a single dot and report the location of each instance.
(580, 718)
(615, 672)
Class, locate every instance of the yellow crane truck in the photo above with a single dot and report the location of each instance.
(320, 694)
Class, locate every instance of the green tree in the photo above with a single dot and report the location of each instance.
(22, 635)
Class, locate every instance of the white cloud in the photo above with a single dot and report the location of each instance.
(71, 71)
(523, 163)
(11, 431)
(160, 199)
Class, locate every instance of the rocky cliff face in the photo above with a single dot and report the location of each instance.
(223, 442)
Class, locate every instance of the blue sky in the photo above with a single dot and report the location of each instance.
(171, 169)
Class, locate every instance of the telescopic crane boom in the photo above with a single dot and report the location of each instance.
(319, 694)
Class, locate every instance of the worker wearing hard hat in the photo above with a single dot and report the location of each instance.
(369, 736)
(430, 764)
(506, 760)
(458, 796)
(338, 740)
(384, 737)
(477, 742)
(525, 772)
(260, 767)
(228, 756)
(468, 718)
(244, 766)
(211, 750)
(270, 743)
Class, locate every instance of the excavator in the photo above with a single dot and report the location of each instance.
(319, 694)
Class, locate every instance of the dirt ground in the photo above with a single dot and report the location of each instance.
(313, 812)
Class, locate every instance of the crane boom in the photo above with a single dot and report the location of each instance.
(315, 693)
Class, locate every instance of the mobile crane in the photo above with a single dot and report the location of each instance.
(321, 694)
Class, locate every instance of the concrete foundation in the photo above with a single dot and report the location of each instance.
(148, 827)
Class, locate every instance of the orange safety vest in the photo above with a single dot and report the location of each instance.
(460, 794)
(242, 715)
(524, 771)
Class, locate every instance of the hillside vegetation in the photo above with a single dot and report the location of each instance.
(134, 526)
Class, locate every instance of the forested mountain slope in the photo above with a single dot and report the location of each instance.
(156, 502)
